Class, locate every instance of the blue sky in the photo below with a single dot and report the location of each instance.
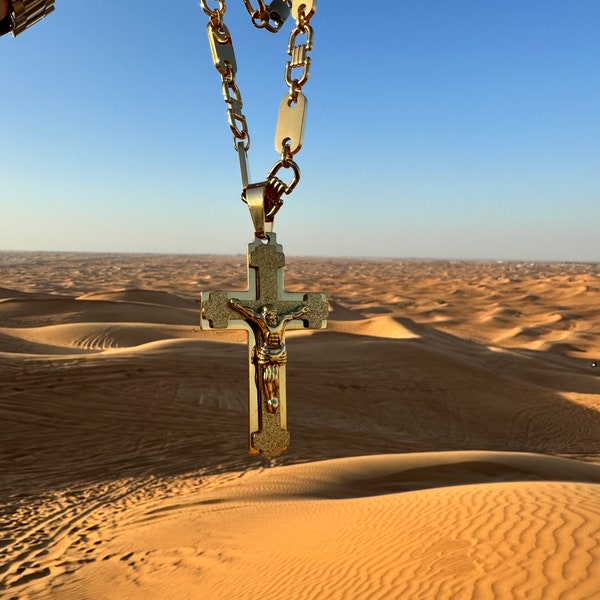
(435, 129)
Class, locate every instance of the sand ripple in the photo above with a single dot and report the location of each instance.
(445, 434)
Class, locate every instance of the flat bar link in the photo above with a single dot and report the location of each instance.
(290, 124)
(221, 49)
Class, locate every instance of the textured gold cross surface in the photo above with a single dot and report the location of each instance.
(266, 311)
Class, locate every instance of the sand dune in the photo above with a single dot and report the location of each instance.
(381, 327)
(94, 336)
(445, 434)
(432, 525)
(141, 296)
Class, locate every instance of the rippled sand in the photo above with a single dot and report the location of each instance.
(445, 433)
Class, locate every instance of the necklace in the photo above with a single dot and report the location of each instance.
(265, 310)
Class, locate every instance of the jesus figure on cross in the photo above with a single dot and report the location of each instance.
(272, 351)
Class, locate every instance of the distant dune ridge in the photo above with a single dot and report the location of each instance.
(445, 434)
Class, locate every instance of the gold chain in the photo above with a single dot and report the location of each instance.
(292, 110)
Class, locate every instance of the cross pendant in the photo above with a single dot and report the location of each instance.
(266, 311)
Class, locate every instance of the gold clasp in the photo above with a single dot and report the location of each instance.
(264, 198)
(284, 164)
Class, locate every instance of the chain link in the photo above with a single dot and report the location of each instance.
(299, 58)
(292, 110)
(223, 55)
(215, 14)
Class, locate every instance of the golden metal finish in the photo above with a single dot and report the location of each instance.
(266, 311)
(264, 199)
(212, 12)
(285, 164)
(298, 53)
(292, 111)
(255, 198)
(244, 167)
(290, 125)
(221, 49)
(235, 116)
(303, 10)
(223, 55)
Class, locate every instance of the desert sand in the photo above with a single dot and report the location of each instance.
(445, 434)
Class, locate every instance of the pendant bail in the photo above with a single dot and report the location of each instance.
(264, 201)
(254, 196)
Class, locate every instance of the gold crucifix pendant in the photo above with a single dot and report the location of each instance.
(266, 311)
